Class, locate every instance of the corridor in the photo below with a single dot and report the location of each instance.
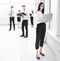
(15, 48)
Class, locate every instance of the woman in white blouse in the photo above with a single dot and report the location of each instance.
(40, 30)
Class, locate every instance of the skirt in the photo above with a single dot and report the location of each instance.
(18, 19)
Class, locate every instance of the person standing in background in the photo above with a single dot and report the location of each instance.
(12, 19)
(24, 22)
(32, 17)
(19, 18)
(40, 30)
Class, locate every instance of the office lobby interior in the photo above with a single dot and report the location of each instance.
(16, 48)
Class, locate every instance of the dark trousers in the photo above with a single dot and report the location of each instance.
(40, 34)
(12, 21)
(25, 24)
(31, 18)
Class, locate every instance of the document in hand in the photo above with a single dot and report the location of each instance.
(47, 17)
(23, 13)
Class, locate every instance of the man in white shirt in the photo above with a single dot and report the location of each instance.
(12, 18)
(24, 22)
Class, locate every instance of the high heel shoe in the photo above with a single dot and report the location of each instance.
(38, 58)
(42, 54)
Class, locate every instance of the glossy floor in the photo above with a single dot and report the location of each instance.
(15, 48)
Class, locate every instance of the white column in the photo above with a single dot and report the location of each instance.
(58, 17)
(49, 10)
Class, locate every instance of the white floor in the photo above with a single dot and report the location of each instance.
(15, 48)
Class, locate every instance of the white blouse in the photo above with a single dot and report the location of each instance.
(39, 18)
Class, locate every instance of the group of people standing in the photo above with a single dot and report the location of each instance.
(39, 22)
(24, 16)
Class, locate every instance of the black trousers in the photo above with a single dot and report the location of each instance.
(31, 18)
(25, 25)
(40, 34)
(12, 21)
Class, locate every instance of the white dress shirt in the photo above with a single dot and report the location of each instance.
(25, 17)
(12, 13)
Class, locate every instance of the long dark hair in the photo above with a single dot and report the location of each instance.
(39, 7)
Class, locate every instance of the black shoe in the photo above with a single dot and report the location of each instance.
(38, 58)
(25, 36)
(42, 54)
(21, 35)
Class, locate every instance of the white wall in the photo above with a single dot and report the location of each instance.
(54, 11)
(47, 10)
(46, 6)
(51, 9)
(58, 18)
